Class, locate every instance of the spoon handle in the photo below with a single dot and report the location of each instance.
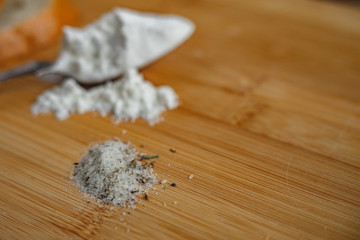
(28, 68)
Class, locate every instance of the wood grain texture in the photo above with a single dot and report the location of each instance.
(269, 125)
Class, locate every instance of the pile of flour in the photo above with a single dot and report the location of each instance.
(119, 42)
(114, 173)
(126, 99)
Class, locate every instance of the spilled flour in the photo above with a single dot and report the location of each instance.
(114, 173)
(126, 99)
(117, 43)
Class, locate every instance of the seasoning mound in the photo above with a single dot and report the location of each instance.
(113, 173)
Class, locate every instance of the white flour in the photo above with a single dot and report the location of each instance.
(117, 43)
(126, 99)
(119, 40)
(114, 173)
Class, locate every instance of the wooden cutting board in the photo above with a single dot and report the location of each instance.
(269, 125)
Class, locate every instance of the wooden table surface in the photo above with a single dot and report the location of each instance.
(269, 124)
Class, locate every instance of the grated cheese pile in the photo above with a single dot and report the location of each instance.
(126, 99)
(114, 173)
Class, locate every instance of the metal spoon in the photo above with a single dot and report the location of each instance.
(28, 68)
(38, 67)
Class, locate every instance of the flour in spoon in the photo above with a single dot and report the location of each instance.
(118, 40)
(126, 99)
(114, 173)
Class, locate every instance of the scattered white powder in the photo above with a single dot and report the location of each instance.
(191, 176)
(123, 213)
(163, 181)
(113, 173)
(126, 99)
(174, 202)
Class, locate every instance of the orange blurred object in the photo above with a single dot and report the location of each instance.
(38, 31)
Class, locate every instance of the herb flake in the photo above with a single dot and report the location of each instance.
(150, 157)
